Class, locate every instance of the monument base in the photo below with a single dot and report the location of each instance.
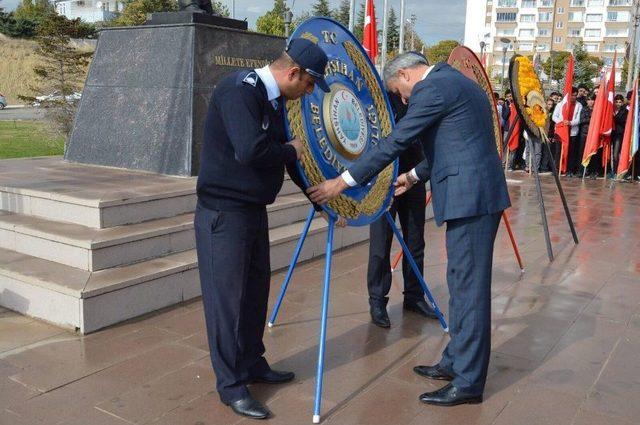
(85, 247)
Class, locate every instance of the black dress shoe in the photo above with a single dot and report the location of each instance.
(449, 396)
(274, 377)
(421, 307)
(379, 316)
(250, 407)
(432, 372)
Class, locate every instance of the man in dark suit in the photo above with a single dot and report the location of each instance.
(451, 117)
(410, 208)
(243, 157)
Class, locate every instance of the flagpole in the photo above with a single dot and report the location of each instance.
(401, 46)
(352, 15)
(385, 32)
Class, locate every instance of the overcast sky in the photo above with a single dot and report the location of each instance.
(436, 19)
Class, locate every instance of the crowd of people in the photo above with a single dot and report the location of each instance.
(543, 159)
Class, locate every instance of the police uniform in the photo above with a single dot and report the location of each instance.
(242, 165)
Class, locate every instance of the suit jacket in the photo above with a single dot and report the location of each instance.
(450, 115)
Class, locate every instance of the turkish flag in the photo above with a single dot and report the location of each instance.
(370, 42)
(563, 131)
(607, 118)
(625, 152)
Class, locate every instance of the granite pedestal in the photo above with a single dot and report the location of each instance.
(145, 100)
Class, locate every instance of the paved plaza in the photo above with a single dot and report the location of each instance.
(565, 338)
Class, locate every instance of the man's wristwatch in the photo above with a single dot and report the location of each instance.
(411, 179)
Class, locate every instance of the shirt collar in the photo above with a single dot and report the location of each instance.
(265, 74)
(427, 72)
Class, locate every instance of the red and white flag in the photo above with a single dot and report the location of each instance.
(370, 38)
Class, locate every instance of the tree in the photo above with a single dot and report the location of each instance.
(560, 61)
(220, 8)
(135, 11)
(587, 67)
(34, 11)
(61, 70)
(272, 22)
(18, 28)
(441, 51)
(341, 14)
(321, 8)
(393, 31)
(300, 19)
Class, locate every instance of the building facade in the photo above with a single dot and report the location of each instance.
(89, 10)
(538, 26)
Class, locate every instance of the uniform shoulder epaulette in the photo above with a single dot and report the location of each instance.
(251, 78)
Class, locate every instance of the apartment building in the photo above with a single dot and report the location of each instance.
(529, 26)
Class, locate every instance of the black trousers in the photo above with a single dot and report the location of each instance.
(576, 149)
(547, 163)
(410, 209)
(233, 258)
(469, 262)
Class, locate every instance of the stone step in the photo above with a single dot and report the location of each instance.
(92, 196)
(88, 301)
(93, 249)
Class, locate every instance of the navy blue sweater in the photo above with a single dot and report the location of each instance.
(244, 150)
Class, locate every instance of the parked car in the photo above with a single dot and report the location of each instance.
(3, 101)
(57, 97)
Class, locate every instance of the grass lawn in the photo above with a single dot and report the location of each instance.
(19, 139)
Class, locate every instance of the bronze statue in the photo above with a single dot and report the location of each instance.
(199, 6)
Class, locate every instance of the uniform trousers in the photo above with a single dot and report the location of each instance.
(233, 258)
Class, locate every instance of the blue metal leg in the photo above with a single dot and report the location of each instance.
(292, 266)
(323, 322)
(417, 272)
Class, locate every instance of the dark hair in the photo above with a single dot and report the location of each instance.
(592, 96)
(629, 93)
(574, 90)
(583, 86)
(619, 97)
(496, 95)
(502, 99)
(551, 99)
(555, 93)
(506, 92)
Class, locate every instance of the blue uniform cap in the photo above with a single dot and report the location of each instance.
(311, 58)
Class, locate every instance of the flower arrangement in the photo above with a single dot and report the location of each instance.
(531, 92)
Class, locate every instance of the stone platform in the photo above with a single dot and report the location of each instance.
(565, 338)
(85, 247)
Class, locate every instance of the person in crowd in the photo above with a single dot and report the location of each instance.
(583, 93)
(574, 155)
(585, 120)
(619, 121)
(546, 165)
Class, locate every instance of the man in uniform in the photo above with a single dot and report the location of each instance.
(243, 157)
(410, 209)
(451, 117)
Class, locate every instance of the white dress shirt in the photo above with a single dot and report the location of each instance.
(575, 120)
(273, 91)
(346, 176)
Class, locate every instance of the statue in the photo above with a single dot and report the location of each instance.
(198, 6)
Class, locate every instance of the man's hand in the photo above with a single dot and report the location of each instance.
(402, 184)
(326, 191)
(340, 222)
(297, 144)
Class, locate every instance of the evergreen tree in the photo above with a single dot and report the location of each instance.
(61, 70)
(393, 31)
(586, 67)
(341, 14)
(321, 8)
(220, 8)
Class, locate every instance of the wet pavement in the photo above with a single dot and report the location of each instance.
(565, 339)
